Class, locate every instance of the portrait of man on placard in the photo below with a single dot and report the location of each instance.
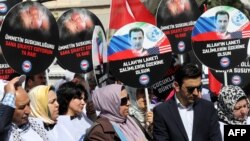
(136, 37)
(221, 23)
(30, 18)
(176, 7)
(74, 23)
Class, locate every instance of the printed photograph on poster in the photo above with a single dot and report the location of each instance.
(139, 50)
(76, 27)
(176, 19)
(5, 69)
(222, 34)
(75, 21)
(29, 32)
(137, 40)
(99, 56)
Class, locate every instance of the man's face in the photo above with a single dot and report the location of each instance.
(78, 22)
(22, 110)
(39, 79)
(32, 18)
(221, 23)
(189, 91)
(137, 40)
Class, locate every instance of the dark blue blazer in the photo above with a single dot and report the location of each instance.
(6, 113)
(168, 125)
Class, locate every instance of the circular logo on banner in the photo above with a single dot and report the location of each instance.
(26, 38)
(99, 56)
(144, 79)
(176, 19)
(224, 39)
(238, 75)
(181, 46)
(238, 18)
(76, 28)
(6, 5)
(142, 52)
(3, 8)
(84, 65)
(236, 80)
(225, 62)
(26, 66)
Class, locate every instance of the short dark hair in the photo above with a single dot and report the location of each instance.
(65, 93)
(187, 71)
(135, 29)
(221, 12)
(83, 90)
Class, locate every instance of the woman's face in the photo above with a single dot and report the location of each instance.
(53, 105)
(76, 105)
(241, 109)
(124, 103)
(141, 100)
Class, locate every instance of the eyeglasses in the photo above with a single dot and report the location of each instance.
(191, 89)
(124, 100)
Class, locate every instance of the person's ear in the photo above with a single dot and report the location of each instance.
(176, 86)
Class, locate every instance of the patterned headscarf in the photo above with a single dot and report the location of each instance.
(107, 100)
(39, 103)
(228, 97)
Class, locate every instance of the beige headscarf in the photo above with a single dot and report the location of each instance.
(39, 103)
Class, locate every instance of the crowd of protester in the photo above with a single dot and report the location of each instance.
(118, 112)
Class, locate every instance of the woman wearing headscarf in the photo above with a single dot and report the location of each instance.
(138, 110)
(43, 105)
(232, 107)
(114, 123)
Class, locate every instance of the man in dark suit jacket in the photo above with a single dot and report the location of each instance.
(5, 120)
(186, 117)
(6, 109)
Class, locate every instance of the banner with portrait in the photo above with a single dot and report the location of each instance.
(176, 18)
(76, 27)
(139, 54)
(29, 38)
(99, 56)
(5, 6)
(220, 38)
